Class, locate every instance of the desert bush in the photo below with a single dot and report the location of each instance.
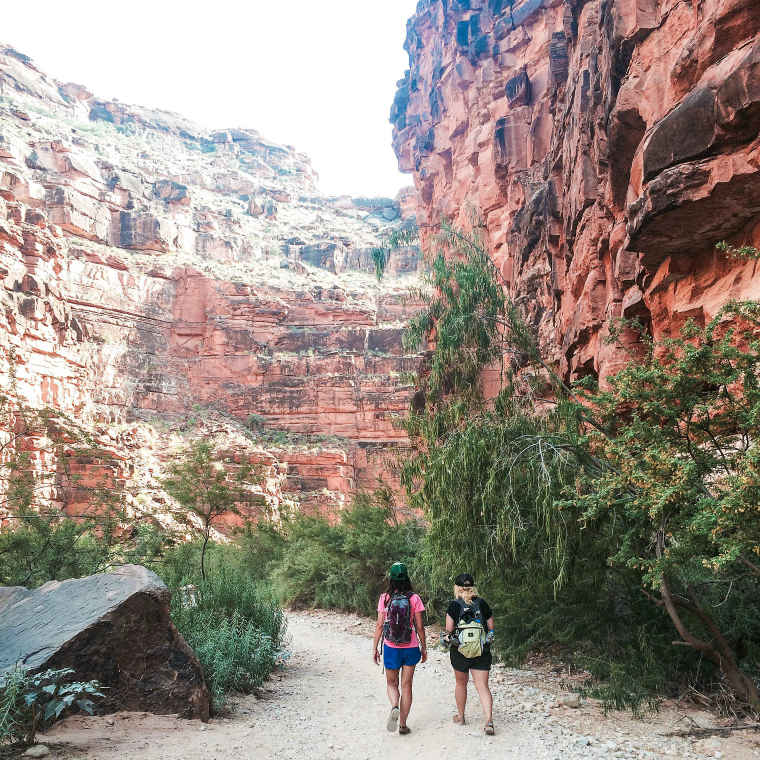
(236, 655)
(233, 622)
(344, 565)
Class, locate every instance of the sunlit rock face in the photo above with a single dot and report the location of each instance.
(152, 269)
(607, 145)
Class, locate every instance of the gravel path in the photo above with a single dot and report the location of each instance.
(331, 703)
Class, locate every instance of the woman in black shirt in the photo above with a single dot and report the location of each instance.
(467, 599)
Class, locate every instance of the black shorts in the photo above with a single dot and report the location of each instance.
(463, 664)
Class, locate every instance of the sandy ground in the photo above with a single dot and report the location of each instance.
(330, 703)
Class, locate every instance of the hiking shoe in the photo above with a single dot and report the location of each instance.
(393, 719)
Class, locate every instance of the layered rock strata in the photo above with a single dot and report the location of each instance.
(155, 268)
(607, 145)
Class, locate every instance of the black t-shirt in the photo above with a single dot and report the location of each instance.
(454, 610)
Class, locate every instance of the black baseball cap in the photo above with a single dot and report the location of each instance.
(465, 580)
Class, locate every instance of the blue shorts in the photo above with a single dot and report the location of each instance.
(396, 657)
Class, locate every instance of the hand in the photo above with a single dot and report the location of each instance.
(376, 656)
(424, 655)
(490, 637)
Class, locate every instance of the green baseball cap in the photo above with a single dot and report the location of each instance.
(398, 572)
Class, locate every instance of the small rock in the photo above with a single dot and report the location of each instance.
(39, 750)
(582, 741)
(571, 700)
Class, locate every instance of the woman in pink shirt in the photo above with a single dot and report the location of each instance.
(399, 624)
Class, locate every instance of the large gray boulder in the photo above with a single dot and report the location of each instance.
(114, 627)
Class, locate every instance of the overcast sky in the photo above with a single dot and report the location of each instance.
(317, 74)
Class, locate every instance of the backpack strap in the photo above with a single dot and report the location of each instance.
(389, 598)
(475, 607)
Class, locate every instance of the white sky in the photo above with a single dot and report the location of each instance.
(316, 74)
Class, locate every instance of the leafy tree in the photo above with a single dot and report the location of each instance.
(206, 489)
(682, 475)
(570, 502)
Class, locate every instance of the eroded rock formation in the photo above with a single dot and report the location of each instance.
(151, 267)
(608, 146)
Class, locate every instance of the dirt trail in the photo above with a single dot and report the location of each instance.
(331, 703)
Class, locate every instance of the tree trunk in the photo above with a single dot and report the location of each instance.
(742, 686)
(206, 537)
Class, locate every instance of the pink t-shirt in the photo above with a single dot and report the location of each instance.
(417, 606)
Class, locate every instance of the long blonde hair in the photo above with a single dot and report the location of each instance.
(465, 593)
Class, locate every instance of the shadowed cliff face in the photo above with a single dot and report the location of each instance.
(608, 145)
(152, 267)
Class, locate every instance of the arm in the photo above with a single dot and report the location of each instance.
(377, 637)
(421, 635)
(449, 623)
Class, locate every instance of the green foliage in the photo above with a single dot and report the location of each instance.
(28, 702)
(464, 308)
(231, 619)
(681, 480)
(128, 129)
(236, 655)
(595, 519)
(747, 252)
(401, 236)
(255, 422)
(407, 234)
(344, 565)
(380, 258)
(205, 488)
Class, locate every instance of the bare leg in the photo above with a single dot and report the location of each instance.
(391, 677)
(480, 679)
(460, 692)
(407, 676)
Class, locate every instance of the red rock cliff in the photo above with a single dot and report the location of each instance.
(150, 267)
(608, 146)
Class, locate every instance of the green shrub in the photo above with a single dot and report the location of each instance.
(236, 655)
(255, 422)
(345, 565)
(232, 621)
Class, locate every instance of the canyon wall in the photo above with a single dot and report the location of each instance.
(607, 145)
(154, 271)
